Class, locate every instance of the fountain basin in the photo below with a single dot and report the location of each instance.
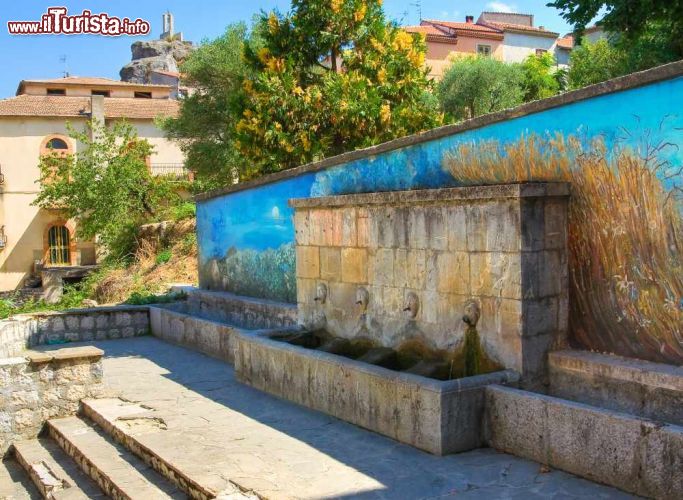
(440, 417)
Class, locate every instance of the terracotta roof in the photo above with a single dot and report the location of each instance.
(114, 107)
(566, 42)
(467, 29)
(432, 33)
(522, 27)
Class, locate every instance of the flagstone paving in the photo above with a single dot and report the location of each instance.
(223, 433)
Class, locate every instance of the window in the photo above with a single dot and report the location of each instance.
(57, 143)
(540, 52)
(104, 93)
(56, 91)
(484, 50)
(59, 246)
(143, 95)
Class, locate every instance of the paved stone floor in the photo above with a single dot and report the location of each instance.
(222, 430)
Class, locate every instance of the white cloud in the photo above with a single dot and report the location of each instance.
(444, 15)
(501, 7)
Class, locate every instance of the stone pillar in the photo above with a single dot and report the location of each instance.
(96, 115)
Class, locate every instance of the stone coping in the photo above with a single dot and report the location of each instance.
(84, 310)
(617, 367)
(421, 196)
(66, 353)
(438, 386)
(634, 80)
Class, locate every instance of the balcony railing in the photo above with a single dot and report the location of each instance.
(174, 171)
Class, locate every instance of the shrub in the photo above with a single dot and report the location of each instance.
(185, 210)
(625, 236)
(164, 256)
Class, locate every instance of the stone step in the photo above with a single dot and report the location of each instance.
(139, 430)
(53, 472)
(119, 473)
(15, 483)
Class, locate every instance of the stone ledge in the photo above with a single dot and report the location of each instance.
(422, 196)
(67, 353)
(627, 82)
(619, 368)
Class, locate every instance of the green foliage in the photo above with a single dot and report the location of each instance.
(189, 242)
(72, 298)
(106, 188)
(163, 257)
(651, 23)
(596, 62)
(145, 298)
(205, 127)
(538, 77)
(474, 86)
(183, 210)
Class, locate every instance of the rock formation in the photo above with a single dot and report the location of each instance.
(160, 55)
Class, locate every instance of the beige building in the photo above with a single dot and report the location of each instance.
(35, 122)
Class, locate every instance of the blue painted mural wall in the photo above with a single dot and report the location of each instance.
(246, 237)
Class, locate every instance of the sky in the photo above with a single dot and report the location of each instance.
(42, 56)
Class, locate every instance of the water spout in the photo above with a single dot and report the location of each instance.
(362, 299)
(321, 293)
(412, 304)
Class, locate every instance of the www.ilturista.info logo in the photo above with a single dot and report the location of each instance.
(56, 21)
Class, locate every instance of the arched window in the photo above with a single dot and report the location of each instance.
(55, 144)
(59, 246)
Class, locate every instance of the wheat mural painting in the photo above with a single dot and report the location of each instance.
(625, 234)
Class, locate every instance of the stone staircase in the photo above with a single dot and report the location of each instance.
(75, 459)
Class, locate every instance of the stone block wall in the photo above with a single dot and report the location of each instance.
(44, 385)
(242, 312)
(24, 331)
(504, 246)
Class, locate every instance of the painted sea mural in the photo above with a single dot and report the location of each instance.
(246, 238)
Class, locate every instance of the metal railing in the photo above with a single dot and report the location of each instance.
(175, 171)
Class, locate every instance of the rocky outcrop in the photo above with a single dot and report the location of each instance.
(160, 55)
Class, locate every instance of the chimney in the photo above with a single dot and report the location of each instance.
(469, 19)
(96, 116)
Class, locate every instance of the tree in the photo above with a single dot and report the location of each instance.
(106, 187)
(205, 127)
(331, 77)
(630, 19)
(596, 62)
(474, 86)
(538, 77)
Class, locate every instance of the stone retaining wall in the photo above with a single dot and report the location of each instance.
(44, 385)
(243, 312)
(635, 455)
(25, 331)
(208, 337)
(651, 390)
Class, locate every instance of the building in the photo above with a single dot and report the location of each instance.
(504, 36)
(35, 122)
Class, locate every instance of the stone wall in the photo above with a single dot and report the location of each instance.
(635, 455)
(44, 385)
(209, 337)
(241, 312)
(503, 246)
(25, 331)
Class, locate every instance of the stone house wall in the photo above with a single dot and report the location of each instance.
(45, 385)
(504, 246)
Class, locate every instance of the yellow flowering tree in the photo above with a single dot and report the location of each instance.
(331, 76)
